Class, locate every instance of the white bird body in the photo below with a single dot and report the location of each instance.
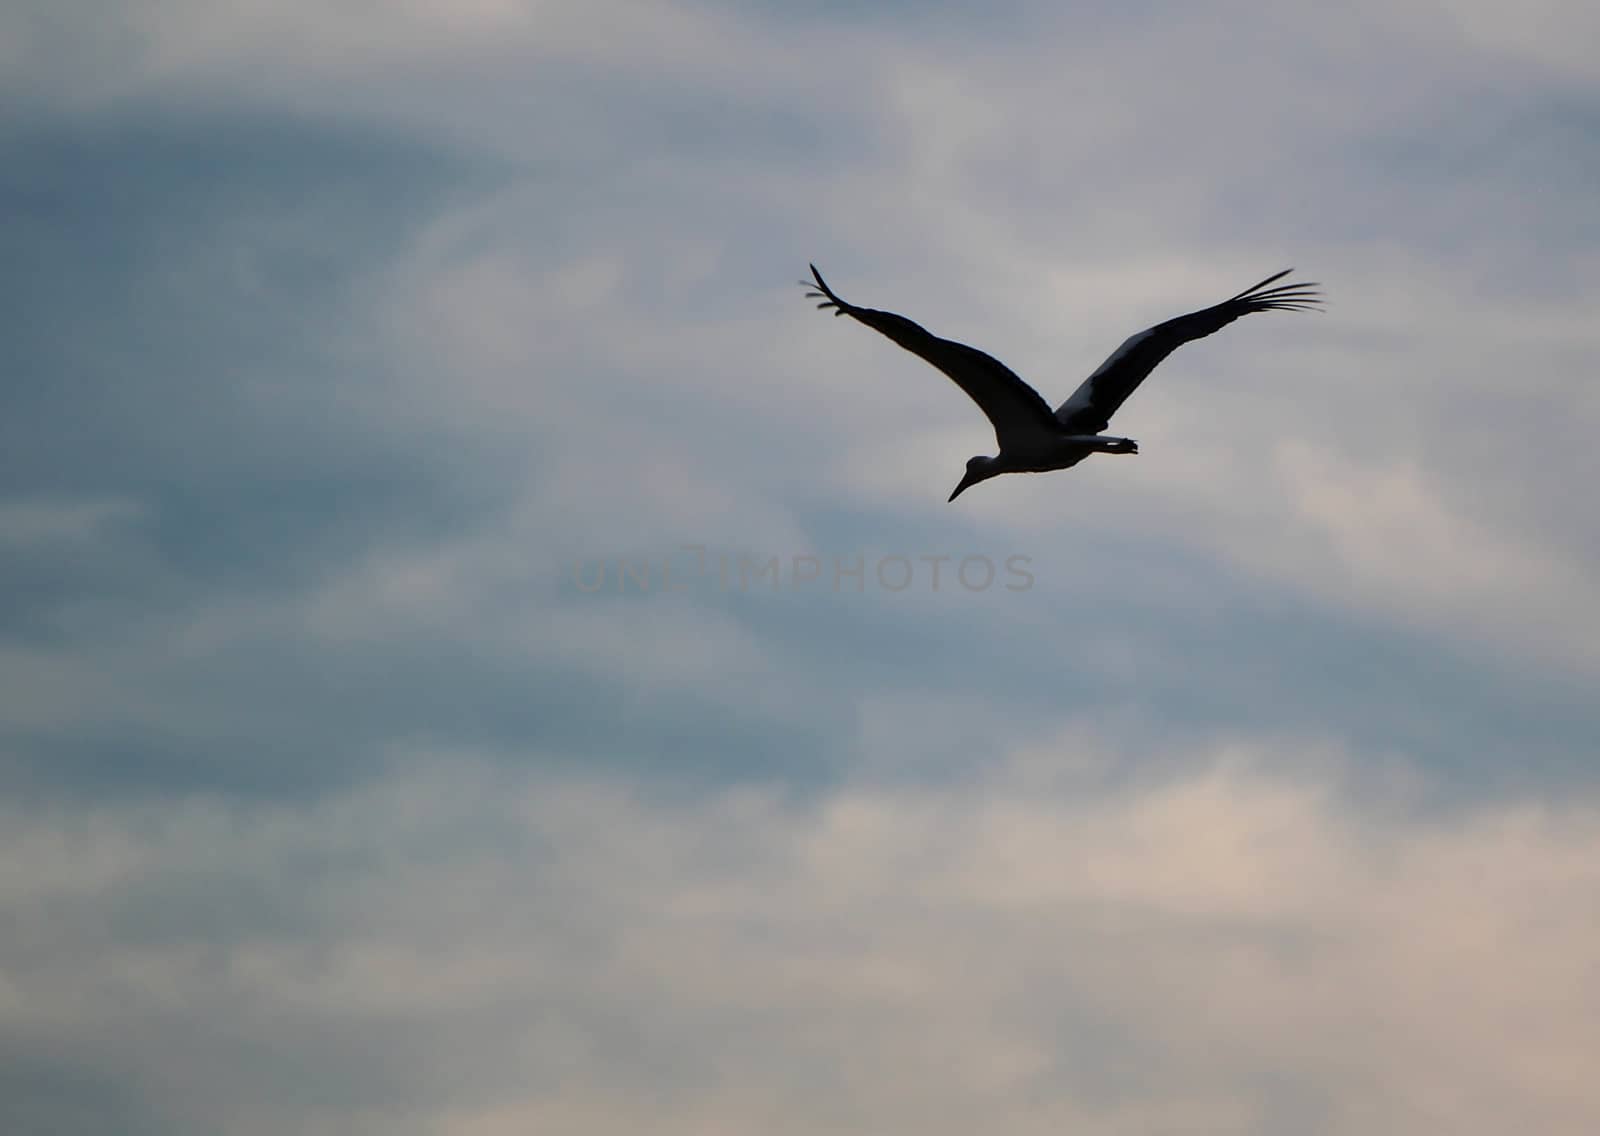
(1061, 451)
(1033, 438)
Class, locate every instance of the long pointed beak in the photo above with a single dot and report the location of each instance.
(965, 482)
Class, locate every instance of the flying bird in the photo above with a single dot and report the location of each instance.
(1032, 437)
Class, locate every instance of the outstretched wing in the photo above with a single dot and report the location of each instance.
(1091, 406)
(1020, 416)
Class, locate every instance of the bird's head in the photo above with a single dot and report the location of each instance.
(978, 469)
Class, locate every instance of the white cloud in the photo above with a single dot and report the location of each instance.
(1038, 945)
(1549, 33)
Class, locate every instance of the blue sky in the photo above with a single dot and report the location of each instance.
(344, 340)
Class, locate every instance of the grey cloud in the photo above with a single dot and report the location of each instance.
(69, 1087)
(492, 951)
(317, 394)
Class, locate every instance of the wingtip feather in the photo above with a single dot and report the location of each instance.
(1263, 284)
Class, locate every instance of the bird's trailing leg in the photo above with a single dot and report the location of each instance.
(1101, 443)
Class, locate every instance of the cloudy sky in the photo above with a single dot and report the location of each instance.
(403, 728)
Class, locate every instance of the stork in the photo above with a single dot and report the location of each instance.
(1032, 438)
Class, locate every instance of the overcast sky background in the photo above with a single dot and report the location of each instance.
(345, 341)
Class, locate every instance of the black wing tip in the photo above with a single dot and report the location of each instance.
(1295, 296)
(823, 292)
(1254, 288)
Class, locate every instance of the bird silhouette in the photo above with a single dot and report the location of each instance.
(1033, 438)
